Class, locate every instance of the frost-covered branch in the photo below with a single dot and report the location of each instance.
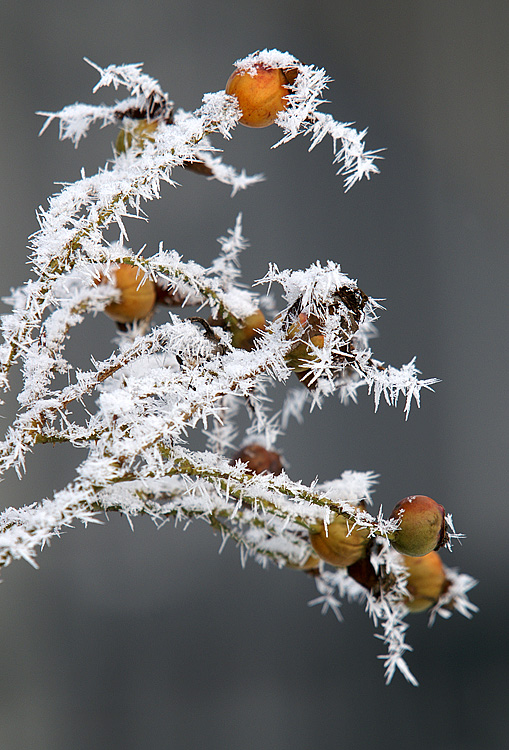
(135, 410)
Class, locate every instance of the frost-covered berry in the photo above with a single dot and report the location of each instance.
(306, 333)
(261, 93)
(244, 331)
(302, 354)
(340, 545)
(426, 581)
(136, 136)
(138, 294)
(422, 525)
(244, 335)
(259, 460)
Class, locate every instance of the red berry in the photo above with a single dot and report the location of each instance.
(261, 94)
(259, 460)
(422, 525)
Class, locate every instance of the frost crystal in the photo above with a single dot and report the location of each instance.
(162, 382)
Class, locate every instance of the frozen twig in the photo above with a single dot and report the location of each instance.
(163, 381)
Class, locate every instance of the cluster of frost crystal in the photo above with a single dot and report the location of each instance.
(163, 381)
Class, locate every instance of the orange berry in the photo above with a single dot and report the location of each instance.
(422, 525)
(138, 294)
(426, 581)
(337, 546)
(261, 94)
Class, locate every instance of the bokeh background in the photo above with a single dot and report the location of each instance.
(151, 639)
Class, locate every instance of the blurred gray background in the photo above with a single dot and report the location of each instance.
(152, 640)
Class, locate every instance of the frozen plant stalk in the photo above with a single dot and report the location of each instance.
(162, 381)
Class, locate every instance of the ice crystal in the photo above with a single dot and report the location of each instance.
(162, 382)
